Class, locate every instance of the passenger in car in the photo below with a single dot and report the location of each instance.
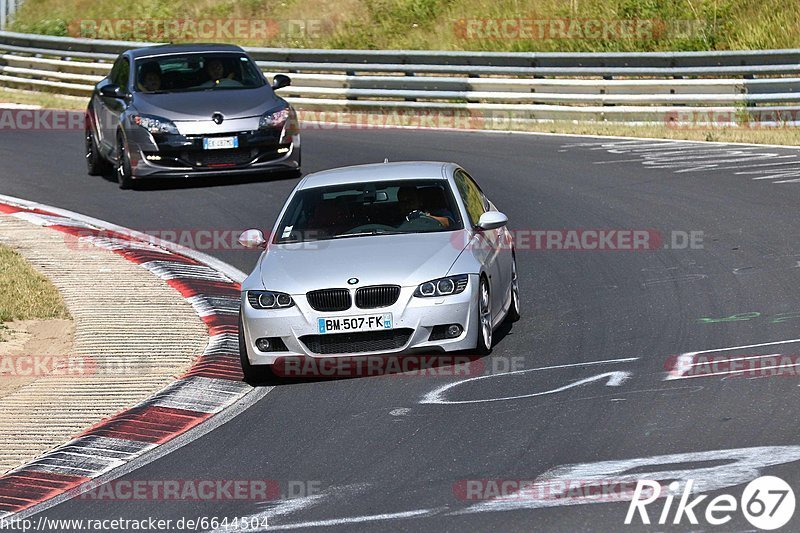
(325, 219)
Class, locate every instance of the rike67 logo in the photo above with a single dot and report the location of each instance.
(767, 503)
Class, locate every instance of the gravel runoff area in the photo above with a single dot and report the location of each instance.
(133, 334)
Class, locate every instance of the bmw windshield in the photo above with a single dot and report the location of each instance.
(196, 72)
(375, 208)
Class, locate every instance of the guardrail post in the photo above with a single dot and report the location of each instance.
(410, 99)
(3, 14)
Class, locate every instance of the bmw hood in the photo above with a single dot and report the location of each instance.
(405, 260)
(199, 105)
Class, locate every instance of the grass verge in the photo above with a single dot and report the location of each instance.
(24, 293)
(779, 135)
(553, 25)
(46, 100)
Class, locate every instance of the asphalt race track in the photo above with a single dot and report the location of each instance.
(599, 332)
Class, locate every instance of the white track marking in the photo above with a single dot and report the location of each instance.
(731, 372)
(615, 379)
(293, 505)
(214, 305)
(9, 105)
(715, 165)
(685, 361)
(738, 466)
(794, 160)
(357, 519)
(280, 509)
(727, 468)
(676, 279)
(788, 173)
(686, 157)
(637, 160)
(168, 270)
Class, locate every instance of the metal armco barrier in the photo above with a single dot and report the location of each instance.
(622, 87)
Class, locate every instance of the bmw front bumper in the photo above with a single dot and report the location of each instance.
(296, 326)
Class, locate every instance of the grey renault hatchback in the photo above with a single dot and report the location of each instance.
(177, 111)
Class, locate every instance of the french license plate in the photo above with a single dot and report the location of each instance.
(218, 143)
(344, 324)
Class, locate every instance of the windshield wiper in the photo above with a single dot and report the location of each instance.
(362, 233)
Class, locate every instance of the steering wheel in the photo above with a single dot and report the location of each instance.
(370, 227)
(426, 219)
(227, 82)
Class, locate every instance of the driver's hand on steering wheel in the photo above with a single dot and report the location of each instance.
(415, 214)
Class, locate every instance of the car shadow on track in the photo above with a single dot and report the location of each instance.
(200, 182)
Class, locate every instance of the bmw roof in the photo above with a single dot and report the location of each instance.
(379, 172)
(193, 48)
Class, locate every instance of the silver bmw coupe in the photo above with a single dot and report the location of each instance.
(388, 258)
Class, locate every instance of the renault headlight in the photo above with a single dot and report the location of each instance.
(154, 124)
(274, 119)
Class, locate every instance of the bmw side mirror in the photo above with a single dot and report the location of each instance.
(252, 238)
(280, 81)
(112, 91)
(492, 220)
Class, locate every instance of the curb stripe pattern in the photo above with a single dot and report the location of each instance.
(213, 382)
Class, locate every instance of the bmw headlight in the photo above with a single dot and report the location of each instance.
(269, 300)
(442, 286)
(154, 124)
(274, 119)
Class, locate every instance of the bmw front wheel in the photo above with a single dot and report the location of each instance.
(484, 343)
(513, 311)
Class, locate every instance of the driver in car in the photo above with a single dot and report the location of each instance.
(150, 77)
(215, 71)
(411, 204)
